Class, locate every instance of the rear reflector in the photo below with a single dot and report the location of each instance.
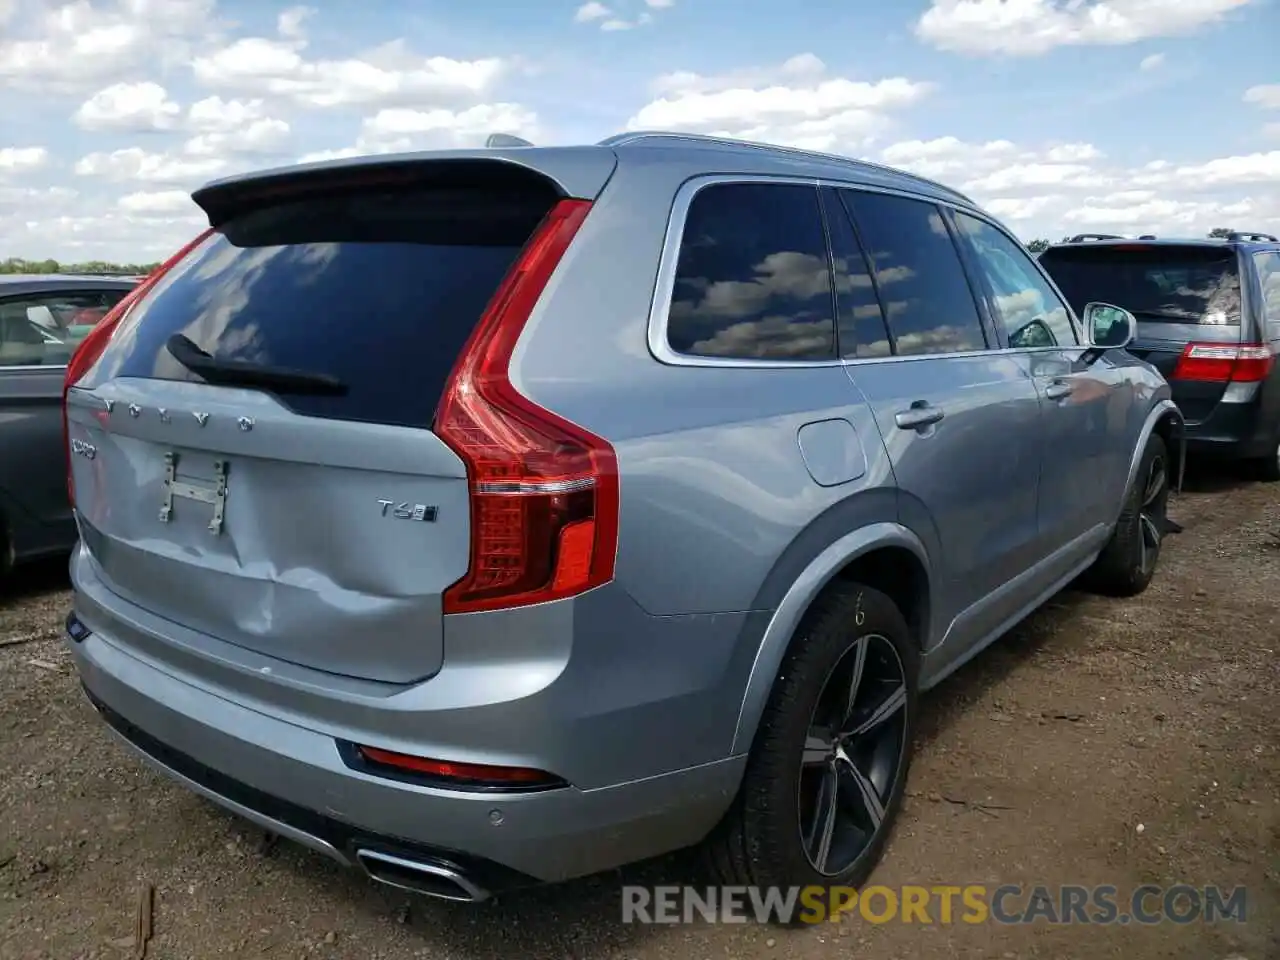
(1224, 363)
(458, 776)
(95, 343)
(544, 491)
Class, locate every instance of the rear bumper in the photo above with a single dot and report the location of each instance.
(1234, 431)
(293, 781)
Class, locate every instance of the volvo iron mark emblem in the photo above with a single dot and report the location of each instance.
(408, 511)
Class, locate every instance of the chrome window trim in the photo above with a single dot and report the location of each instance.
(664, 287)
(660, 306)
(28, 367)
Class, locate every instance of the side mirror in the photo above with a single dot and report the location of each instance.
(1108, 327)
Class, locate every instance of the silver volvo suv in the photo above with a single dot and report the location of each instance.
(505, 515)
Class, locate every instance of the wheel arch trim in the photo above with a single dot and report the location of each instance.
(819, 572)
(1163, 408)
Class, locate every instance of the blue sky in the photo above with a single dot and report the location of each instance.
(1129, 116)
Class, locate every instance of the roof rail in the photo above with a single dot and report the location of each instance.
(621, 139)
(1083, 237)
(506, 140)
(1147, 236)
(1250, 237)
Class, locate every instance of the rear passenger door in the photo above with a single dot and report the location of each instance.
(960, 421)
(1089, 410)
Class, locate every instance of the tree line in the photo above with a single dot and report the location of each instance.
(97, 267)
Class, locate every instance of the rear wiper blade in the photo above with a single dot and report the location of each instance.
(241, 373)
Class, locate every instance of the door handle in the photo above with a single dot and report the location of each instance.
(919, 415)
(1058, 390)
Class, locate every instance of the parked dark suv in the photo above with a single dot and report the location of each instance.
(1208, 316)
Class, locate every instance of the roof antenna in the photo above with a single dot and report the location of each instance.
(506, 140)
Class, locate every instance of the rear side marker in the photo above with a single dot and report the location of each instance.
(445, 774)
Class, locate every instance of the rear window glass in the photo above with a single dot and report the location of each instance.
(377, 289)
(1156, 284)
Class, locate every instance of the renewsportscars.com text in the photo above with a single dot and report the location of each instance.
(939, 904)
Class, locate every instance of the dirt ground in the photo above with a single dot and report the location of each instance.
(1102, 742)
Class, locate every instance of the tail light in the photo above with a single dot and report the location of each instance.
(92, 346)
(544, 491)
(1224, 363)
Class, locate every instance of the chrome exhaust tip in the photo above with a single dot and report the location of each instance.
(431, 878)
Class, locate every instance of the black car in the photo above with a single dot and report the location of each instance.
(1208, 316)
(42, 321)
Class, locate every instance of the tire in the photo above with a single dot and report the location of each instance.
(1128, 561)
(759, 843)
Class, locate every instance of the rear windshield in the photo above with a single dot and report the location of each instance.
(1198, 285)
(377, 289)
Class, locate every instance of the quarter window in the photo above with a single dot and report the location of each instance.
(1268, 265)
(926, 296)
(1023, 302)
(753, 279)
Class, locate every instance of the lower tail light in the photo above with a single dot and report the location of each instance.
(95, 343)
(1224, 362)
(451, 774)
(544, 491)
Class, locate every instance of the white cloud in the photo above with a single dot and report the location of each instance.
(76, 46)
(1266, 96)
(1052, 189)
(590, 12)
(22, 159)
(128, 108)
(38, 231)
(612, 18)
(1153, 62)
(289, 23)
(795, 104)
(45, 198)
(1032, 27)
(389, 75)
(134, 163)
(164, 203)
(398, 129)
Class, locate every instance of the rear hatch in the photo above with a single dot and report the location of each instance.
(256, 459)
(1179, 294)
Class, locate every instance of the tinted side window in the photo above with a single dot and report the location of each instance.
(1032, 314)
(922, 283)
(1268, 265)
(753, 280)
(44, 329)
(862, 330)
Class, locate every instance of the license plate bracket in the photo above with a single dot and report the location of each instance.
(215, 495)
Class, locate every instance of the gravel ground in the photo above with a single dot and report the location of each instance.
(1101, 742)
